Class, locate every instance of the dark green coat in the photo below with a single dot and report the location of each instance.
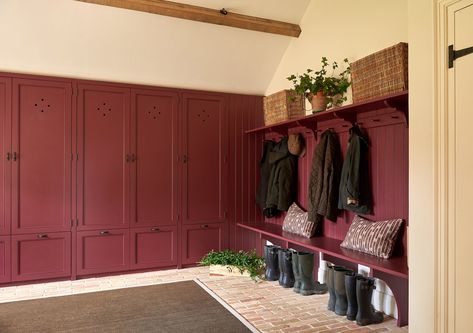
(355, 188)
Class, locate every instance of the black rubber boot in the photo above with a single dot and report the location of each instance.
(366, 314)
(341, 303)
(308, 285)
(331, 286)
(271, 259)
(286, 277)
(296, 271)
(350, 286)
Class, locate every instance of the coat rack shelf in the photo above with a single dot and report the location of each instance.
(349, 113)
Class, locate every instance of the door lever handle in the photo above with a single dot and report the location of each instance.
(105, 232)
(42, 236)
(154, 229)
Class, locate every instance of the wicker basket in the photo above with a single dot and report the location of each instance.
(279, 107)
(380, 73)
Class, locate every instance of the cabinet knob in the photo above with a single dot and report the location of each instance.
(105, 232)
(42, 236)
(154, 229)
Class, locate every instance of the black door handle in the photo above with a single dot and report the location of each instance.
(105, 232)
(154, 229)
(15, 156)
(42, 236)
(8, 156)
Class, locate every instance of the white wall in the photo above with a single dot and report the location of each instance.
(75, 39)
(341, 29)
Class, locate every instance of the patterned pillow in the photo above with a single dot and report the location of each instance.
(296, 222)
(375, 238)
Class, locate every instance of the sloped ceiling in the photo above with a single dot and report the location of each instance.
(75, 39)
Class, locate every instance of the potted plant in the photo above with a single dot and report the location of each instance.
(232, 263)
(321, 88)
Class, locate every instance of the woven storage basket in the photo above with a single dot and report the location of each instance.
(279, 107)
(380, 73)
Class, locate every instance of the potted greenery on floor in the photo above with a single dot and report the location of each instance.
(232, 263)
(323, 89)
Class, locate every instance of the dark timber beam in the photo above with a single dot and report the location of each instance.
(203, 14)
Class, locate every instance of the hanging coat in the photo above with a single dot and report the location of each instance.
(355, 189)
(324, 179)
(265, 170)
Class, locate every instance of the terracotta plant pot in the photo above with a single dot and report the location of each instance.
(319, 102)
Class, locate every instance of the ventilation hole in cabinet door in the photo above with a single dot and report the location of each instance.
(203, 115)
(41, 105)
(104, 110)
(153, 113)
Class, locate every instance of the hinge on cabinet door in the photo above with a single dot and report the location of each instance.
(77, 156)
(455, 54)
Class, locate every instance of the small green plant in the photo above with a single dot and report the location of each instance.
(312, 82)
(248, 261)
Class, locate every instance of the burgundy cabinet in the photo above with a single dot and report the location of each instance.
(103, 251)
(5, 156)
(205, 155)
(154, 140)
(104, 158)
(5, 259)
(153, 247)
(41, 156)
(41, 256)
(198, 240)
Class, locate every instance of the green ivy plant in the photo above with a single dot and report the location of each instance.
(312, 82)
(248, 261)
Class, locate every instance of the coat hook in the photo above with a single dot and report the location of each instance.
(223, 11)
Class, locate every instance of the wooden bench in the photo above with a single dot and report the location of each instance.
(393, 271)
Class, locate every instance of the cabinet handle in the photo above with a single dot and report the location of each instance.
(154, 229)
(204, 226)
(8, 156)
(42, 236)
(184, 159)
(127, 158)
(105, 232)
(15, 156)
(133, 157)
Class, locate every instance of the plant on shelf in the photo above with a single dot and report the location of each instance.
(241, 261)
(321, 88)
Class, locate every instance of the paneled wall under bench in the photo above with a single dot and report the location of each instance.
(384, 120)
(98, 177)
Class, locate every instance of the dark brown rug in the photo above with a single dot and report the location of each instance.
(172, 307)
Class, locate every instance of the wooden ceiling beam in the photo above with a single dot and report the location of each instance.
(203, 14)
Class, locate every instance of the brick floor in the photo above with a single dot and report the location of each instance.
(267, 306)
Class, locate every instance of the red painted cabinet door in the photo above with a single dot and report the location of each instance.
(103, 251)
(41, 161)
(154, 158)
(153, 247)
(41, 256)
(205, 169)
(103, 176)
(198, 240)
(5, 155)
(5, 259)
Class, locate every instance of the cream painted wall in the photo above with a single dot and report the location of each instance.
(422, 176)
(74, 39)
(341, 29)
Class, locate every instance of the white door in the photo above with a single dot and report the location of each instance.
(460, 170)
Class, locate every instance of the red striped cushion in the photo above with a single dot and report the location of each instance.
(375, 238)
(296, 222)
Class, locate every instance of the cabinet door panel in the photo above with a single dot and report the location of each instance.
(5, 148)
(41, 256)
(198, 240)
(41, 188)
(104, 144)
(153, 247)
(206, 147)
(5, 259)
(103, 251)
(155, 143)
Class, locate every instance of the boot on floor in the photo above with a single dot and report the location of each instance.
(306, 267)
(286, 276)
(295, 270)
(331, 287)
(271, 260)
(341, 303)
(366, 314)
(350, 286)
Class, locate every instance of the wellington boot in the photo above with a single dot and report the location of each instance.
(286, 276)
(271, 260)
(308, 285)
(331, 286)
(341, 303)
(350, 286)
(366, 314)
(296, 271)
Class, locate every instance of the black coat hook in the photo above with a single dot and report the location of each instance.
(223, 11)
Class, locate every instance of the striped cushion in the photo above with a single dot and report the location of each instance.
(296, 222)
(375, 238)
